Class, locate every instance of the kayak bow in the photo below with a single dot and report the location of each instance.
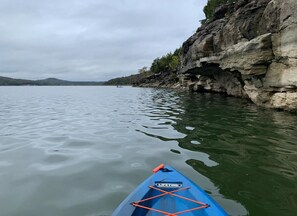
(168, 193)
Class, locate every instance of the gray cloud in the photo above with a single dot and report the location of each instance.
(90, 39)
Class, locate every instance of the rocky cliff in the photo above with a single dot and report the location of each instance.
(248, 50)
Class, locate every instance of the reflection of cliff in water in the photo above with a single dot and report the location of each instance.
(255, 151)
(247, 152)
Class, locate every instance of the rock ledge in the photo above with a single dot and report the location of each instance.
(248, 50)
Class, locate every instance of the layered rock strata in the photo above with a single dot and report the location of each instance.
(248, 50)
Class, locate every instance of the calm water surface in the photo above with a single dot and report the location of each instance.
(73, 151)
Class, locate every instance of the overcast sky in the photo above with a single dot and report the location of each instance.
(91, 39)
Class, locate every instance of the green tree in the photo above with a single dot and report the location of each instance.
(211, 6)
(174, 63)
(168, 62)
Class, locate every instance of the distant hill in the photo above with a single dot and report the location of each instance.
(6, 81)
(11, 81)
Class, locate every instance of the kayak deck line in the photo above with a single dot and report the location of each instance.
(172, 193)
(168, 193)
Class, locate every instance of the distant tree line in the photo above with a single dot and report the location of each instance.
(211, 6)
(7, 81)
(128, 80)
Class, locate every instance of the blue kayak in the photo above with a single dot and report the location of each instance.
(169, 193)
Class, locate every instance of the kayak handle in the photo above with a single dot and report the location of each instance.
(160, 167)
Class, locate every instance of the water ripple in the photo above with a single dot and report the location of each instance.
(81, 150)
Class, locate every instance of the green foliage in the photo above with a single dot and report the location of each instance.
(129, 80)
(211, 6)
(168, 62)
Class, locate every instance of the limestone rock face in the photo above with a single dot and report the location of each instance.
(284, 100)
(248, 50)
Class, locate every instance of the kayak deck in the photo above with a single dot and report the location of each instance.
(168, 193)
(179, 201)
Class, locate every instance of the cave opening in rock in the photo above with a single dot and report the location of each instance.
(212, 78)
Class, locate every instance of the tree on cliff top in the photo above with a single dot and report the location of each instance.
(168, 62)
(211, 6)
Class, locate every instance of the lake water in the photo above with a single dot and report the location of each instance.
(75, 151)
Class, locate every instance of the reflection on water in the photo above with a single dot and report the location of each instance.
(81, 150)
(255, 149)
